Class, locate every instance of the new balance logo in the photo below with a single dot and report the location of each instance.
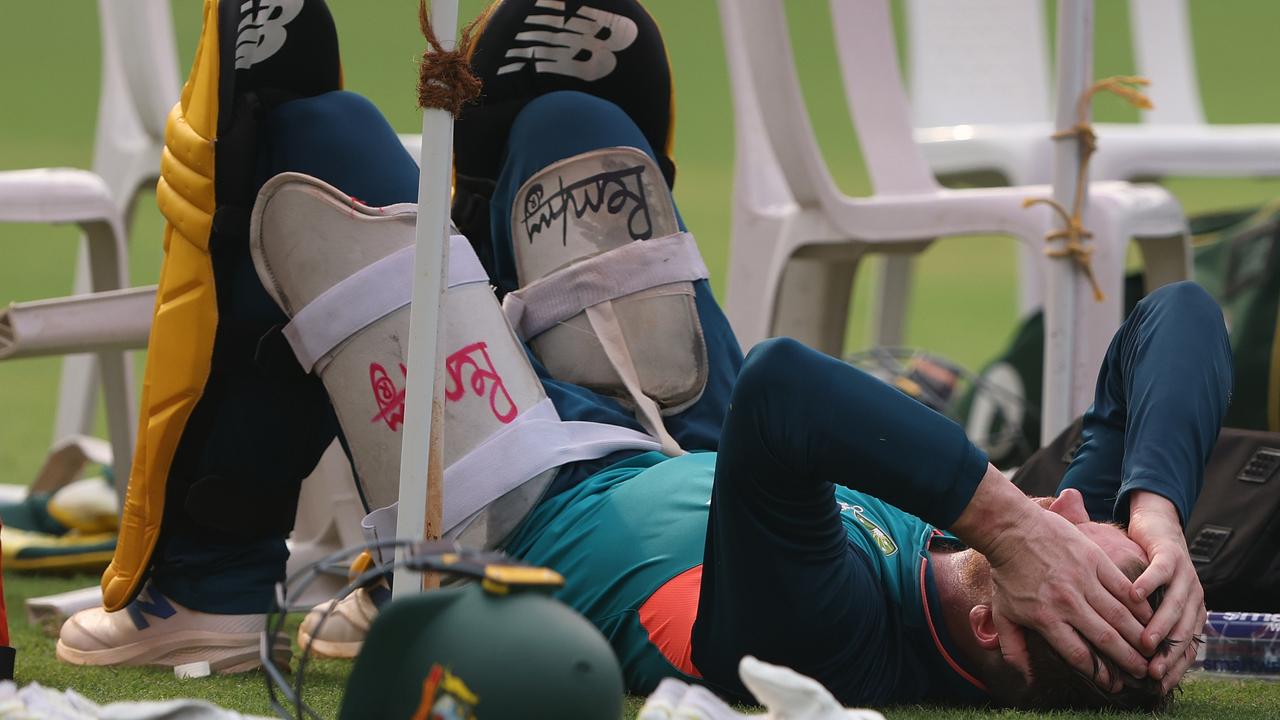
(149, 602)
(261, 33)
(583, 45)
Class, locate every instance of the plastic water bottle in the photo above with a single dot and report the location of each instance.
(1241, 644)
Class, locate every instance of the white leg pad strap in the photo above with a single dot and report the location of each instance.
(362, 299)
(553, 299)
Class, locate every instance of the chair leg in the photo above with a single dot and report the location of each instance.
(813, 302)
(78, 386)
(1030, 285)
(327, 520)
(106, 255)
(79, 380)
(1097, 320)
(121, 414)
(889, 314)
(77, 396)
(1164, 260)
(1074, 348)
(1031, 279)
(752, 289)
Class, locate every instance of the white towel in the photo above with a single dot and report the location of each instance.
(785, 694)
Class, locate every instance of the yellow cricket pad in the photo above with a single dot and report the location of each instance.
(180, 348)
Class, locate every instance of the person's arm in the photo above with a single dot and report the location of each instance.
(1162, 392)
(1049, 577)
(1154, 524)
(820, 418)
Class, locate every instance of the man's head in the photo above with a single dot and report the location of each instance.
(1054, 683)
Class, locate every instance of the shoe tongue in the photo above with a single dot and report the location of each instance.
(585, 205)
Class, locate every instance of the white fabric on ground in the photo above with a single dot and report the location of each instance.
(785, 694)
(36, 702)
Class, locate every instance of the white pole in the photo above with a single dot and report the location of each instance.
(421, 436)
(1065, 284)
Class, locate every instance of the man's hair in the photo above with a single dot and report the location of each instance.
(1055, 684)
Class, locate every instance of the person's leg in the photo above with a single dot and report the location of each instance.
(223, 549)
(552, 128)
(781, 580)
(1162, 392)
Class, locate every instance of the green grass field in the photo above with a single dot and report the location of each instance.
(962, 306)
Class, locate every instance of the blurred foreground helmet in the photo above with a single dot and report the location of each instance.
(493, 650)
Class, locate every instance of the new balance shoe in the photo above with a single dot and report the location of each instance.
(154, 630)
(343, 632)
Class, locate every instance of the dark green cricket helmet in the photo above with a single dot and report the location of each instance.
(489, 651)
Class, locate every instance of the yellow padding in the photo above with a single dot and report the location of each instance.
(180, 348)
(33, 551)
(187, 185)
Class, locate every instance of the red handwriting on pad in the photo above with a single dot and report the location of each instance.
(389, 398)
(484, 380)
(476, 356)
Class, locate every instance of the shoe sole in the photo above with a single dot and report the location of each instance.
(328, 648)
(226, 654)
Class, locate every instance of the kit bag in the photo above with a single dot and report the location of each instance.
(1233, 533)
(1237, 260)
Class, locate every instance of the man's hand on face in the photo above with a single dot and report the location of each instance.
(1154, 525)
(1049, 577)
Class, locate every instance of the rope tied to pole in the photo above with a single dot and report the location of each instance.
(445, 80)
(1074, 233)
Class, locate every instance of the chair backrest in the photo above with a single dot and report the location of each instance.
(757, 177)
(1164, 54)
(977, 61)
(768, 99)
(139, 86)
(770, 91)
(877, 102)
(987, 61)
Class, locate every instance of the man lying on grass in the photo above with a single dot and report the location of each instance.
(810, 537)
(802, 524)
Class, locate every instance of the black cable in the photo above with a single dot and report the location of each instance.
(280, 691)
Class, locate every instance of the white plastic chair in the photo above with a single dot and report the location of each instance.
(797, 239)
(979, 83)
(412, 144)
(63, 195)
(328, 520)
(139, 84)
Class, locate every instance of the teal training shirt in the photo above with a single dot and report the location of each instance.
(629, 542)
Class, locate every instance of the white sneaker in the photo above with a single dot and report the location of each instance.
(343, 631)
(154, 630)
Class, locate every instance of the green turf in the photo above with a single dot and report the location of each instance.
(1210, 700)
(962, 305)
(245, 692)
